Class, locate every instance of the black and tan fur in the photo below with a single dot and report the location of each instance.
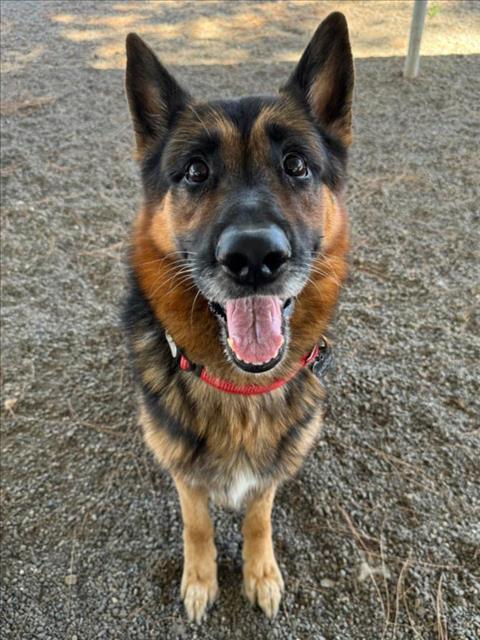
(233, 449)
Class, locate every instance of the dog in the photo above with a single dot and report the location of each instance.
(237, 258)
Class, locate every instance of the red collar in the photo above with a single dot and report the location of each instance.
(317, 360)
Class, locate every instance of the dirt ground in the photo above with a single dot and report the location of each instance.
(379, 535)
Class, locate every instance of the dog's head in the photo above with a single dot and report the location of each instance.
(236, 190)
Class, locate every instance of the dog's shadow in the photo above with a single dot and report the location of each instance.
(165, 573)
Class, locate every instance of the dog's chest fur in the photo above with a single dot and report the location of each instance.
(232, 445)
(238, 486)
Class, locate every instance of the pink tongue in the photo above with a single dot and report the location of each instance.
(255, 328)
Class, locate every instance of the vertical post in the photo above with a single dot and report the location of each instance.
(412, 61)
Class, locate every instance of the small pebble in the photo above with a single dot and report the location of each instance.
(326, 583)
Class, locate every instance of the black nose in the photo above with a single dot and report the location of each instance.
(252, 255)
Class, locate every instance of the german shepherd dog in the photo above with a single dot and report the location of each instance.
(237, 259)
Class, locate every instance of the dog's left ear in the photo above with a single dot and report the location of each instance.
(323, 79)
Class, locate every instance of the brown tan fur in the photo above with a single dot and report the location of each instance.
(199, 586)
(231, 448)
(262, 579)
(236, 428)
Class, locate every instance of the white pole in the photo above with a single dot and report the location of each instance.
(412, 61)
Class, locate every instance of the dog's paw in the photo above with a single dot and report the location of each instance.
(263, 584)
(197, 594)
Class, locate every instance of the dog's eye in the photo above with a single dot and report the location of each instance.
(295, 166)
(197, 171)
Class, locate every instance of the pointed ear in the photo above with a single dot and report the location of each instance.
(154, 96)
(323, 79)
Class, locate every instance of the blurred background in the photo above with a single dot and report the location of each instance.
(379, 535)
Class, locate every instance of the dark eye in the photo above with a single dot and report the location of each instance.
(197, 171)
(295, 166)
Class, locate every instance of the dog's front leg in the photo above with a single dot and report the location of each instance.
(199, 581)
(262, 579)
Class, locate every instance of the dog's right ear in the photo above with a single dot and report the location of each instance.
(154, 96)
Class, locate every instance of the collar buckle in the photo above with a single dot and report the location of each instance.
(322, 359)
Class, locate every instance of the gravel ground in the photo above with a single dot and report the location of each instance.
(378, 536)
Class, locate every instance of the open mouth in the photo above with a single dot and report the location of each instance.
(255, 330)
